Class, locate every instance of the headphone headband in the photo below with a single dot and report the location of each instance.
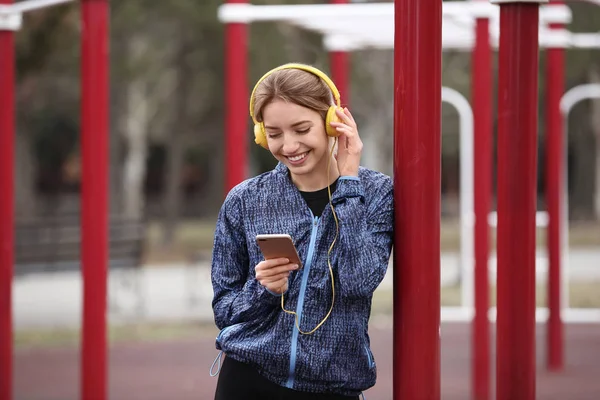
(303, 67)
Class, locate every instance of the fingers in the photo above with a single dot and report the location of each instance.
(274, 270)
(269, 273)
(346, 117)
(282, 277)
(349, 114)
(347, 127)
(342, 141)
(279, 286)
(345, 133)
(274, 262)
(349, 141)
(274, 274)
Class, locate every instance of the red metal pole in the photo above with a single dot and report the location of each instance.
(417, 162)
(554, 161)
(340, 67)
(7, 145)
(482, 115)
(340, 72)
(236, 102)
(94, 216)
(517, 177)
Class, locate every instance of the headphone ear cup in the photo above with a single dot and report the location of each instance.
(259, 135)
(331, 117)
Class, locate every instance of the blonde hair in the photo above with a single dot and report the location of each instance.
(295, 86)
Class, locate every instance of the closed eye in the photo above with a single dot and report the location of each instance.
(303, 131)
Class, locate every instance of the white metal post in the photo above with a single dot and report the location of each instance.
(466, 155)
(568, 101)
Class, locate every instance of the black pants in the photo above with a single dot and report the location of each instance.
(239, 381)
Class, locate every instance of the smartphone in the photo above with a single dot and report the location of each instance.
(278, 246)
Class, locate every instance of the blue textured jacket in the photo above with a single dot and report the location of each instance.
(254, 329)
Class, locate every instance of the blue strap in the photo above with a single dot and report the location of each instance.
(218, 359)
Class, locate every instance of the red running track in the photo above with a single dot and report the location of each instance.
(179, 370)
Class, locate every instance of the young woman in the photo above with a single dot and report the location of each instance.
(291, 332)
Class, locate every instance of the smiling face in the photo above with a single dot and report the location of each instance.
(296, 137)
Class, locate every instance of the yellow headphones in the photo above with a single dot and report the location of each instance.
(260, 136)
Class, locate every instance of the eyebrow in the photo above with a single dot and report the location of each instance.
(293, 125)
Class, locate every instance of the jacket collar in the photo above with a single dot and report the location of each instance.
(281, 169)
(282, 173)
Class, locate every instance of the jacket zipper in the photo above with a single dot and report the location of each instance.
(300, 305)
(368, 352)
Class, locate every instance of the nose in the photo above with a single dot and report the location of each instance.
(290, 144)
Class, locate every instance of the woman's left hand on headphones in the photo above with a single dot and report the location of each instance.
(349, 143)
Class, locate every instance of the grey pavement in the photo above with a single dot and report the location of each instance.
(182, 292)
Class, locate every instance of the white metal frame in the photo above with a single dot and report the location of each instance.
(571, 98)
(467, 193)
(467, 215)
(11, 15)
(465, 312)
(348, 27)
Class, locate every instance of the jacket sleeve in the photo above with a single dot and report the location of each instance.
(238, 297)
(365, 235)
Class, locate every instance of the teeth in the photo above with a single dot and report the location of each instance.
(297, 158)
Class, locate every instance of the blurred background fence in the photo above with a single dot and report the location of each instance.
(167, 149)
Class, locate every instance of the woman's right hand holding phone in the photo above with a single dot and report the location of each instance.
(273, 274)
